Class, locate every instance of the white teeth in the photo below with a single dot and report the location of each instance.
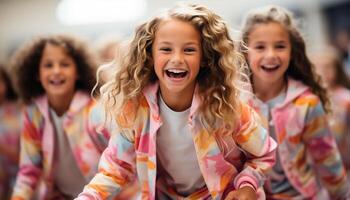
(176, 70)
(270, 66)
(56, 82)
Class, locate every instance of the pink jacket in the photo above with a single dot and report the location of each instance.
(37, 144)
(235, 160)
(306, 145)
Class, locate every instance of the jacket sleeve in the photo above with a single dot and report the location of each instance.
(31, 159)
(259, 148)
(322, 147)
(116, 169)
(99, 127)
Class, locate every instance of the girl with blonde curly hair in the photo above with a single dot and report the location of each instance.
(182, 130)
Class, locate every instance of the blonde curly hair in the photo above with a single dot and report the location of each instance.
(218, 79)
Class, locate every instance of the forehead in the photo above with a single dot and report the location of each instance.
(54, 49)
(271, 31)
(177, 30)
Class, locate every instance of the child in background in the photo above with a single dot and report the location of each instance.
(329, 67)
(108, 48)
(108, 51)
(290, 98)
(182, 131)
(59, 144)
(10, 115)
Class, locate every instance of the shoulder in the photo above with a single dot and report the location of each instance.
(32, 113)
(133, 110)
(247, 114)
(312, 104)
(307, 98)
(82, 100)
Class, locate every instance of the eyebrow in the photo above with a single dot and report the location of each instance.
(280, 41)
(185, 44)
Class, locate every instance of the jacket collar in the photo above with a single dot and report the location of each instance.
(79, 100)
(294, 89)
(151, 94)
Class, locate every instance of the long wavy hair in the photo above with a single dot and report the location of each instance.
(221, 66)
(300, 66)
(26, 61)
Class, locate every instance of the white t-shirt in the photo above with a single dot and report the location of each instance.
(176, 152)
(67, 175)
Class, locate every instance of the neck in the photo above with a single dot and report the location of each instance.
(60, 104)
(178, 101)
(331, 86)
(265, 92)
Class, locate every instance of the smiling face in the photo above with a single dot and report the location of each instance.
(57, 72)
(269, 53)
(177, 54)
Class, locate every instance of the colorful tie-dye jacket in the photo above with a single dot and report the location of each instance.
(10, 115)
(237, 159)
(38, 144)
(306, 145)
(340, 121)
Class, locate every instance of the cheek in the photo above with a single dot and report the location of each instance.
(252, 59)
(75, 74)
(159, 62)
(287, 56)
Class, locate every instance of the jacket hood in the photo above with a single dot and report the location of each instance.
(79, 101)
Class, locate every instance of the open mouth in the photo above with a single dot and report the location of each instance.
(176, 73)
(270, 68)
(56, 82)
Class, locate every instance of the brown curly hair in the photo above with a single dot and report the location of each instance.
(11, 94)
(300, 66)
(26, 62)
(217, 79)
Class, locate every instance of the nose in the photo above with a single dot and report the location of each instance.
(271, 52)
(177, 57)
(56, 68)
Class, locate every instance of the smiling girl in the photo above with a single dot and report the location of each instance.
(59, 144)
(288, 95)
(182, 130)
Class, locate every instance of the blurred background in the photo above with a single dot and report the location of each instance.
(321, 21)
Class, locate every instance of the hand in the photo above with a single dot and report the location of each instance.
(244, 193)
